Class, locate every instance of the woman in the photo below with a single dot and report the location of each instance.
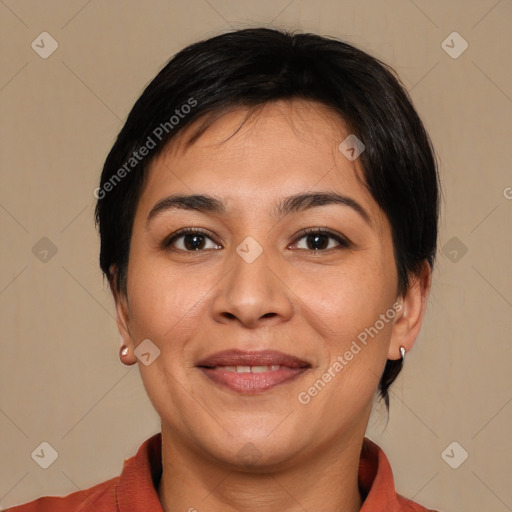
(268, 220)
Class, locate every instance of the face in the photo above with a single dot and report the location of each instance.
(252, 280)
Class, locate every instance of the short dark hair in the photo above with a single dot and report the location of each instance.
(252, 67)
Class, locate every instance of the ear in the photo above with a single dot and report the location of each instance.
(410, 317)
(122, 316)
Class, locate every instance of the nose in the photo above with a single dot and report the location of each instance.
(253, 293)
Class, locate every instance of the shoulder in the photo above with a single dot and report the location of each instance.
(135, 483)
(377, 483)
(99, 498)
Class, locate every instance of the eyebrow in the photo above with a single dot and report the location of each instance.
(296, 203)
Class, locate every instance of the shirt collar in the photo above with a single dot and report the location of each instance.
(138, 482)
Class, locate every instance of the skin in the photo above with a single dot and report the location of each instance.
(307, 303)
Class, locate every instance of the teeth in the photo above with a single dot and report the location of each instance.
(249, 369)
(259, 369)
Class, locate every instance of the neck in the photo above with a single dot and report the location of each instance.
(327, 482)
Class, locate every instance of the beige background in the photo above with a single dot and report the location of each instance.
(60, 377)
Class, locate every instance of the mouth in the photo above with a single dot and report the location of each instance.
(252, 372)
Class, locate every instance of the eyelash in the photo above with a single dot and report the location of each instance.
(343, 242)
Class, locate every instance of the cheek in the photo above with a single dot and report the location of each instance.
(163, 301)
(348, 299)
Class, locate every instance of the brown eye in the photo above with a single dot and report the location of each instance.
(190, 239)
(321, 240)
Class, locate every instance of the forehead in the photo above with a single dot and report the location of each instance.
(295, 126)
(253, 158)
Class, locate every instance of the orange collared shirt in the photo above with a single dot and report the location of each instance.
(135, 490)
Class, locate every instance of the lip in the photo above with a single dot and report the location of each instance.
(290, 368)
(252, 358)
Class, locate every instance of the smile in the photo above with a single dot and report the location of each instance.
(249, 369)
(252, 379)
